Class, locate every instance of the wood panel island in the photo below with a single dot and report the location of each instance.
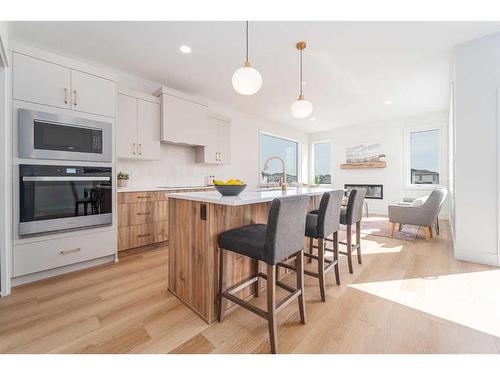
(196, 220)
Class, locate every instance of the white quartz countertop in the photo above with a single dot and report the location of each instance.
(133, 189)
(247, 196)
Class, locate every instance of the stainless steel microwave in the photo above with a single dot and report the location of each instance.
(51, 136)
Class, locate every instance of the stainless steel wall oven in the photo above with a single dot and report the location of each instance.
(55, 198)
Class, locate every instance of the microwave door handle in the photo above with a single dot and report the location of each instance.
(65, 178)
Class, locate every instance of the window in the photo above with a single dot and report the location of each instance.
(423, 158)
(285, 149)
(322, 159)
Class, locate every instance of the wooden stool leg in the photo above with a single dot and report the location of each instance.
(220, 308)
(349, 247)
(271, 308)
(258, 283)
(393, 227)
(358, 240)
(336, 256)
(321, 268)
(300, 285)
(311, 243)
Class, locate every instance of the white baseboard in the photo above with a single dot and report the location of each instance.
(490, 259)
(16, 281)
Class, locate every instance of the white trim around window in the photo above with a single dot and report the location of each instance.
(299, 152)
(406, 183)
(313, 162)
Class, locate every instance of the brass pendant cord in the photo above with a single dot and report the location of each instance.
(300, 82)
(246, 59)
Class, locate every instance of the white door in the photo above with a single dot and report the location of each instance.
(224, 141)
(40, 82)
(126, 127)
(92, 94)
(148, 130)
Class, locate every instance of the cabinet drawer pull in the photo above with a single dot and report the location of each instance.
(65, 95)
(143, 197)
(62, 252)
(75, 102)
(133, 148)
(144, 235)
(144, 213)
(140, 148)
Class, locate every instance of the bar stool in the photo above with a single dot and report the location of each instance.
(349, 215)
(320, 224)
(281, 238)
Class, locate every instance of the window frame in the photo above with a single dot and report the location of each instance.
(313, 162)
(299, 153)
(406, 156)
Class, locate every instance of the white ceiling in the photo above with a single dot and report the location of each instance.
(351, 68)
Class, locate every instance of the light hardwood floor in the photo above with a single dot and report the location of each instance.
(407, 297)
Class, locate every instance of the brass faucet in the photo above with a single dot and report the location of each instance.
(283, 177)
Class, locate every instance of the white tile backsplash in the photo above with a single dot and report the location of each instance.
(177, 167)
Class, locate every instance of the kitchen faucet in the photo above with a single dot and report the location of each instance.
(283, 177)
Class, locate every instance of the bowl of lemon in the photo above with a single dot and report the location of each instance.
(231, 187)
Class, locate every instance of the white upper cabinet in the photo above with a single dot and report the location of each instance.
(148, 129)
(218, 143)
(183, 121)
(39, 81)
(126, 127)
(137, 126)
(92, 94)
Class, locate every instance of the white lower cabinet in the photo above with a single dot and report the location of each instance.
(44, 255)
(218, 143)
(137, 127)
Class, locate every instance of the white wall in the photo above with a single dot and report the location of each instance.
(4, 166)
(390, 135)
(476, 81)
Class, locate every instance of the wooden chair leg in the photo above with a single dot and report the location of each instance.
(349, 247)
(358, 241)
(393, 227)
(271, 308)
(426, 232)
(431, 235)
(311, 243)
(258, 283)
(220, 307)
(321, 268)
(336, 256)
(400, 226)
(300, 285)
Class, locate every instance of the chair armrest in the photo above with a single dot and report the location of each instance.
(409, 215)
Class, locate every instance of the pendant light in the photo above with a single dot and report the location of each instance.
(301, 108)
(247, 80)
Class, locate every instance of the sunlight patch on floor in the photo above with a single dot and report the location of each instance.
(470, 299)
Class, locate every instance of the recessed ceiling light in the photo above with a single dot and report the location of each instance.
(185, 49)
(313, 119)
(304, 82)
(388, 102)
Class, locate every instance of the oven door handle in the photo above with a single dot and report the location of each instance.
(65, 178)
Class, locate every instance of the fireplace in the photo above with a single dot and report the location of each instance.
(372, 191)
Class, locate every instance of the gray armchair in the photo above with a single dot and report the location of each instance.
(422, 212)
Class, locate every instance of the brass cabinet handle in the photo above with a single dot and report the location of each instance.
(133, 148)
(144, 213)
(140, 148)
(143, 197)
(65, 95)
(62, 252)
(220, 156)
(144, 235)
(75, 102)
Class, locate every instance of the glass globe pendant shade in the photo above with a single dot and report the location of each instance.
(247, 80)
(301, 108)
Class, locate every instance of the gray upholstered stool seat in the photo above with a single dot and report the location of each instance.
(248, 240)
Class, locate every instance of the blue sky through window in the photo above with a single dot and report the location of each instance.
(424, 150)
(284, 148)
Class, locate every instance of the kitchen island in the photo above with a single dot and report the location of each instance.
(195, 221)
